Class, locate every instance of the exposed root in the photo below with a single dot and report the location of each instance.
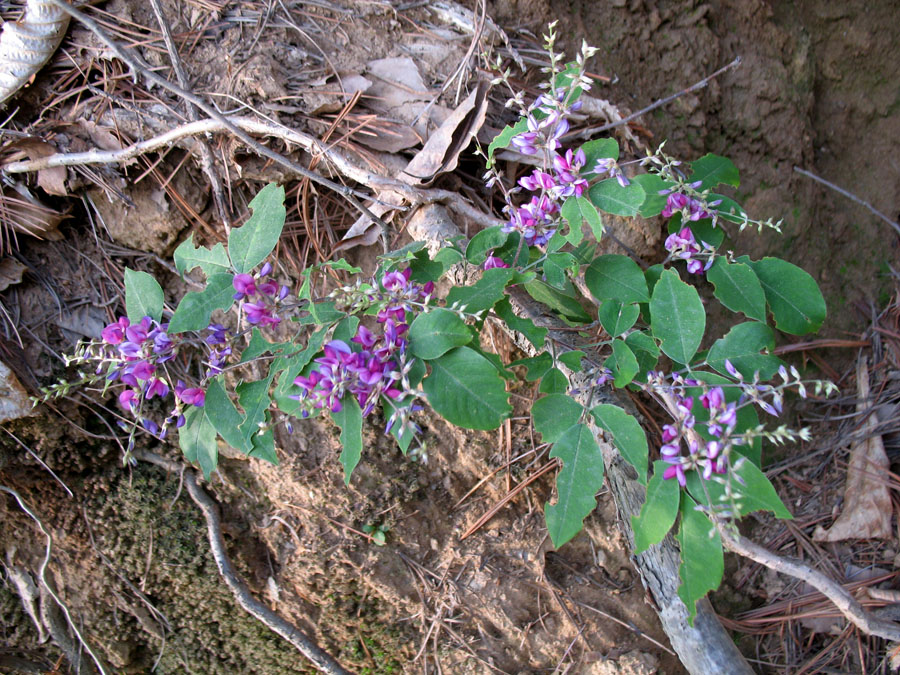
(320, 659)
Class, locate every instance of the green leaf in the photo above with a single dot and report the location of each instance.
(793, 296)
(537, 366)
(264, 447)
(751, 492)
(654, 202)
(622, 363)
(483, 293)
(534, 334)
(555, 267)
(626, 434)
(553, 382)
(571, 213)
(346, 329)
(259, 346)
(617, 317)
(224, 417)
(580, 478)
(195, 309)
(616, 277)
(712, 170)
(466, 390)
(609, 196)
(254, 399)
(678, 318)
(600, 148)
(249, 245)
(448, 257)
(484, 242)
(552, 415)
(197, 439)
(578, 210)
(645, 351)
(742, 346)
(563, 303)
(433, 334)
(702, 560)
(658, 512)
(572, 359)
(504, 138)
(349, 419)
(738, 288)
(210, 260)
(143, 296)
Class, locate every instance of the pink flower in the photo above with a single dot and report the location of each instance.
(244, 285)
(190, 395)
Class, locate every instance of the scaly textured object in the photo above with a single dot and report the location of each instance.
(26, 45)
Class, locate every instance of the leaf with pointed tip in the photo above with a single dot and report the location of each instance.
(738, 288)
(702, 560)
(224, 416)
(197, 439)
(616, 317)
(712, 170)
(577, 483)
(143, 296)
(627, 435)
(196, 308)
(249, 245)
(534, 334)
(349, 419)
(742, 346)
(658, 512)
(793, 296)
(616, 277)
(608, 195)
(466, 390)
(433, 334)
(678, 318)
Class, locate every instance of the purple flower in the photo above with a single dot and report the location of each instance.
(244, 285)
(137, 332)
(396, 281)
(156, 387)
(268, 287)
(190, 395)
(114, 333)
(675, 471)
(259, 313)
(493, 262)
(713, 399)
(128, 399)
(217, 336)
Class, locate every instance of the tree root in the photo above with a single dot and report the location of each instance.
(319, 658)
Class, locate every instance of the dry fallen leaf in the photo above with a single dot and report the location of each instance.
(52, 180)
(441, 152)
(14, 401)
(11, 271)
(867, 500)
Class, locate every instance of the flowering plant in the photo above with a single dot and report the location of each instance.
(389, 341)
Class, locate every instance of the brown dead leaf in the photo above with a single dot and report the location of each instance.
(14, 401)
(867, 500)
(440, 154)
(11, 271)
(52, 180)
(387, 136)
(442, 150)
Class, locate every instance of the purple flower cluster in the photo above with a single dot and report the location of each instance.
(264, 293)
(544, 131)
(134, 354)
(690, 208)
(683, 245)
(379, 363)
(536, 221)
(707, 457)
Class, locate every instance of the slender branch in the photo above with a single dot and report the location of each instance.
(319, 658)
(42, 573)
(850, 196)
(138, 66)
(590, 131)
(842, 599)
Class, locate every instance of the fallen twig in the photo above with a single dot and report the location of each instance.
(138, 66)
(849, 195)
(320, 659)
(843, 600)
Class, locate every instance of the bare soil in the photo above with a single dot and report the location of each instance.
(817, 89)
